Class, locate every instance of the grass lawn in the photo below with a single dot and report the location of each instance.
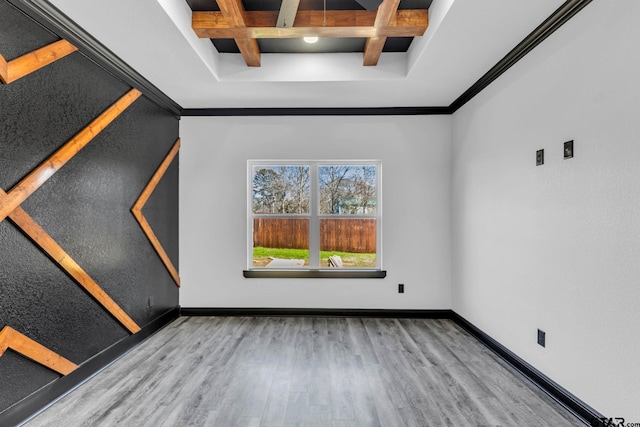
(261, 257)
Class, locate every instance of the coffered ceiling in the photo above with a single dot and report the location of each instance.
(463, 40)
(252, 27)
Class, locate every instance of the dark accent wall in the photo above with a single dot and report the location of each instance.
(84, 207)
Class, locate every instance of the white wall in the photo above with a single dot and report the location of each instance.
(557, 247)
(415, 154)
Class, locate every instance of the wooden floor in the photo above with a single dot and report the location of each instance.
(325, 372)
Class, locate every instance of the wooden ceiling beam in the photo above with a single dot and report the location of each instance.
(407, 23)
(246, 26)
(340, 23)
(234, 13)
(373, 48)
(298, 32)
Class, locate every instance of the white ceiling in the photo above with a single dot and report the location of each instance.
(464, 40)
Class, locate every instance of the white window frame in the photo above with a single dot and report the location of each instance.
(314, 213)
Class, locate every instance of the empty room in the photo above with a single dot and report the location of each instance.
(319, 213)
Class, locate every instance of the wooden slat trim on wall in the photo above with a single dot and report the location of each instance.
(4, 70)
(40, 237)
(10, 206)
(33, 61)
(136, 210)
(14, 340)
(50, 166)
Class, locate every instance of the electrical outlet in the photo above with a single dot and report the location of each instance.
(150, 302)
(541, 338)
(568, 150)
(540, 157)
(401, 288)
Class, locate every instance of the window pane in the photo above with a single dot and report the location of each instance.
(280, 189)
(280, 242)
(352, 240)
(347, 189)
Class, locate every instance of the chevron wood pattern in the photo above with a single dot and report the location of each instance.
(10, 206)
(14, 340)
(136, 210)
(10, 71)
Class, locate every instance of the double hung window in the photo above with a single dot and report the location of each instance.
(314, 215)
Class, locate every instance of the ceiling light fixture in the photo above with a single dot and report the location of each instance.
(310, 39)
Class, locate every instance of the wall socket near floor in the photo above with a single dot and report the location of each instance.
(400, 288)
(541, 338)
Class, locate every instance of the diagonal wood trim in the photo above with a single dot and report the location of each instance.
(14, 340)
(4, 70)
(40, 237)
(234, 13)
(33, 61)
(373, 48)
(136, 210)
(18, 194)
(340, 23)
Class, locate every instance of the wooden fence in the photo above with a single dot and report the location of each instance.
(356, 235)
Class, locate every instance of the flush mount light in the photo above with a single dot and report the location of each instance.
(310, 39)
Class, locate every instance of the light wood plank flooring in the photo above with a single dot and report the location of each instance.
(325, 372)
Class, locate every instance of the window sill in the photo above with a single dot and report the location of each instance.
(314, 274)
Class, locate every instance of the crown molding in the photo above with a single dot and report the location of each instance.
(557, 19)
(381, 111)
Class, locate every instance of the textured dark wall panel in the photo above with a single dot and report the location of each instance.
(42, 111)
(14, 40)
(16, 371)
(84, 207)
